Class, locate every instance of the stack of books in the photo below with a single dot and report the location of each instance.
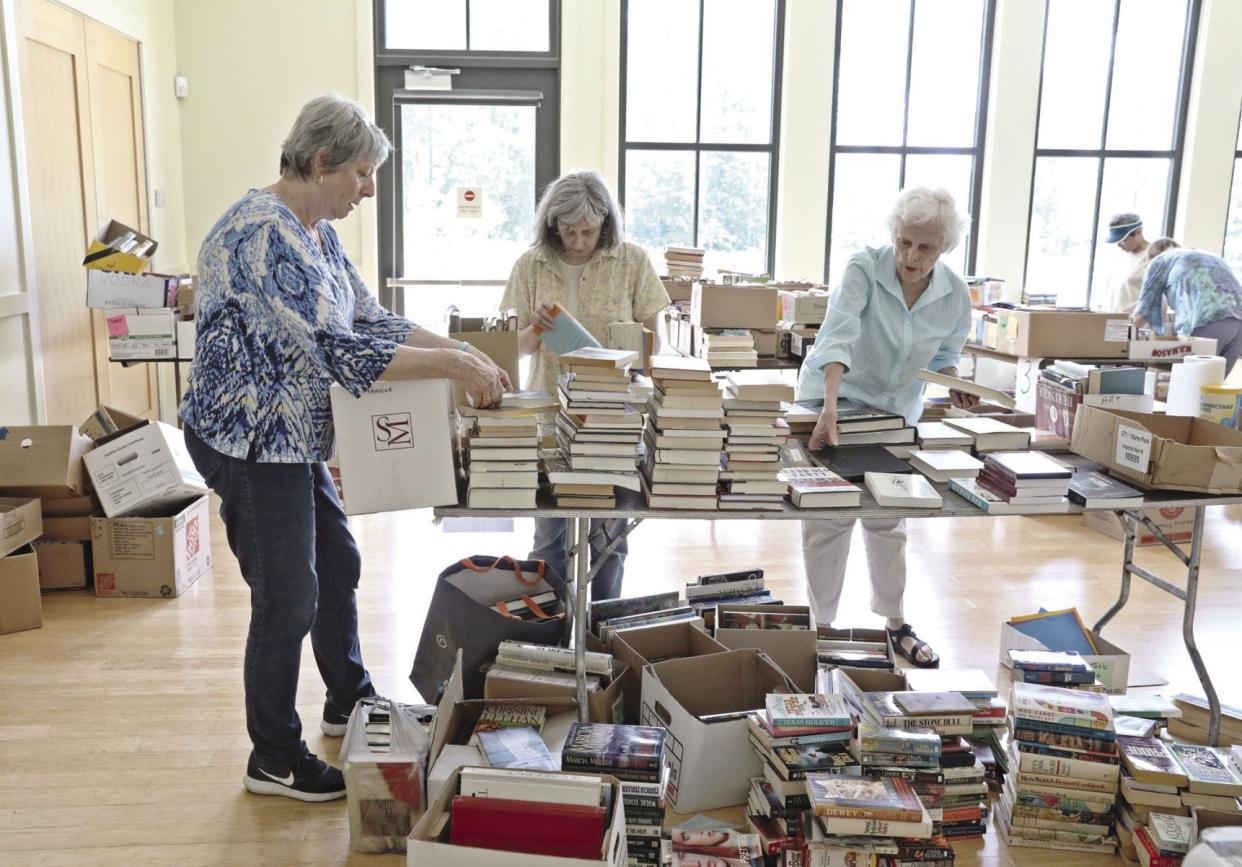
(974, 685)
(1152, 781)
(855, 648)
(523, 656)
(1061, 792)
(942, 465)
(1065, 669)
(683, 436)
(610, 616)
(857, 820)
(1017, 483)
(1092, 489)
(501, 458)
(599, 428)
(756, 431)
(729, 348)
(1163, 840)
(735, 588)
(859, 425)
(683, 262)
(812, 486)
(796, 735)
(990, 435)
(635, 756)
(1193, 724)
(1142, 715)
(936, 435)
(802, 416)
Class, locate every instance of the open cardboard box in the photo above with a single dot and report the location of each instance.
(43, 461)
(1111, 664)
(107, 420)
(20, 605)
(158, 556)
(428, 844)
(103, 256)
(791, 649)
(1170, 348)
(710, 763)
(641, 646)
(1161, 452)
(21, 522)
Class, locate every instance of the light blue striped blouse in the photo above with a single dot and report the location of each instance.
(881, 343)
(1198, 287)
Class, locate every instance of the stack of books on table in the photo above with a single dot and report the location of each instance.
(635, 756)
(502, 458)
(943, 465)
(729, 348)
(1062, 787)
(1065, 669)
(599, 428)
(937, 436)
(683, 262)
(801, 416)
(1018, 483)
(683, 435)
(859, 425)
(990, 435)
(756, 431)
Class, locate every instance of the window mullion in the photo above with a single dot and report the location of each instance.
(1099, 177)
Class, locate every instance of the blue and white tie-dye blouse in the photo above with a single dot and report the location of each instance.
(1198, 287)
(280, 318)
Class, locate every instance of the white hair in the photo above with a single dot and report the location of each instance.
(579, 197)
(339, 129)
(924, 206)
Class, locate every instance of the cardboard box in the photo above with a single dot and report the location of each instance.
(678, 289)
(62, 565)
(111, 289)
(791, 649)
(20, 605)
(855, 683)
(21, 522)
(1177, 523)
(107, 420)
(1111, 664)
(70, 528)
(807, 307)
(1171, 348)
(710, 763)
(143, 471)
(1062, 333)
(102, 255)
(1161, 452)
(500, 346)
(157, 556)
(1202, 818)
(395, 446)
(641, 646)
(67, 507)
(140, 336)
(713, 305)
(765, 342)
(44, 461)
(187, 336)
(605, 705)
(428, 842)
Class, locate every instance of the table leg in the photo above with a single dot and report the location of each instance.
(1127, 526)
(1188, 629)
(581, 528)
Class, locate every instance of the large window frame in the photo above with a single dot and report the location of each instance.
(699, 147)
(482, 76)
(1234, 195)
(904, 150)
(1104, 153)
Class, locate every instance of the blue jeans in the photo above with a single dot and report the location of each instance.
(289, 533)
(549, 545)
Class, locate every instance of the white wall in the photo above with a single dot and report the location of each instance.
(591, 87)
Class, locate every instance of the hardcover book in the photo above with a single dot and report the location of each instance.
(1029, 465)
(902, 490)
(854, 462)
(1095, 490)
(1170, 833)
(882, 740)
(1049, 660)
(533, 827)
(934, 703)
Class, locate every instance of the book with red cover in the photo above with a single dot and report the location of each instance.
(533, 827)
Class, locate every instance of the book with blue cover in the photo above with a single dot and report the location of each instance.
(567, 333)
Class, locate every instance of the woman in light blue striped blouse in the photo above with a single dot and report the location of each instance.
(899, 309)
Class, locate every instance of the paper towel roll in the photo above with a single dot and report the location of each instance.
(1194, 372)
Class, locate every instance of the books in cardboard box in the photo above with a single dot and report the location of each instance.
(516, 748)
(501, 716)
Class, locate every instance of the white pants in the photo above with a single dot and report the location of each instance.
(825, 550)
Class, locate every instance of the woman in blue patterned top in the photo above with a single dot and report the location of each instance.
(1203, 293)
(282, 314)
(899, 309)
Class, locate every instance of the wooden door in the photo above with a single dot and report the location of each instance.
(80, 164)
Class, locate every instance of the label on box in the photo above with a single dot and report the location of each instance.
(132, 541)
(117, 326)
(1133, 448)
(1117, 330)
(1011, 328)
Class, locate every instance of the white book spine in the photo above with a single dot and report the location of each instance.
(597, 663)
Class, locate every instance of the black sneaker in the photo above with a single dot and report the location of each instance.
(306, 779)
(333, 722)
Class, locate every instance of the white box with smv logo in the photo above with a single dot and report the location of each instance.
(394, 446)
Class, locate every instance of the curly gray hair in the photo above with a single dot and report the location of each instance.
(579, 197)
(336, 127)
(925, 206)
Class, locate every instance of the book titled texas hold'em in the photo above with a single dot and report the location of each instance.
(807, 711)
(626, 752)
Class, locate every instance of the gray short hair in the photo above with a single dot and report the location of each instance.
(924, 206)
(1160, 245)
(579, 197)
(336, 127)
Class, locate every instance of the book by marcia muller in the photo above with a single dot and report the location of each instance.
(626, 752)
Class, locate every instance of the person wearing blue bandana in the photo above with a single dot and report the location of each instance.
(1125, 279)
(899, 309)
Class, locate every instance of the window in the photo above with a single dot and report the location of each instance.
(699, 115)
(467, 25)
(1111, 124)
(905, 117)
(1233, 229)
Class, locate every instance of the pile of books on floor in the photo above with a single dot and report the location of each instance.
(1142, 715)
(501, 453)
(757, 429)
(974, 685)
(865, 819)
(683, 435)
(1017, 483)
(1065, 669)
(635, 756)
(607, 617)
(683, 262)
(1193, 722)
(599, 428)
(856, 648)
(1064, 767)
(729, 347)
(743, 587)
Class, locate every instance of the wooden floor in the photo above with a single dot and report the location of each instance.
(122, 737)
